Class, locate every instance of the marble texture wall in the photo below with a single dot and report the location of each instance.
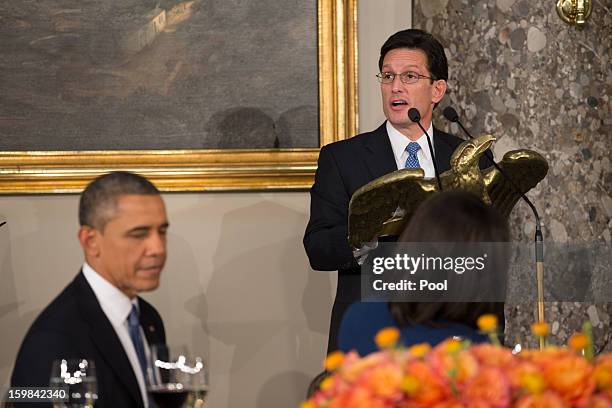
(519, 72)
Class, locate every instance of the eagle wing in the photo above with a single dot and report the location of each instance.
(525, 169)
(381, 207)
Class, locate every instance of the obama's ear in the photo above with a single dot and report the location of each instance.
(89, 238)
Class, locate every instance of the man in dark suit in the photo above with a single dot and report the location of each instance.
(99, 316)
(413, 74)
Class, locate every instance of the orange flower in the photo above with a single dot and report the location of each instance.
(487, 323)
(359, 397)
(603, 372)
(384, 380)
(542, 357)
(387, 338)
(491, 355)
(459, 366)
(540, 329)
(419, 350)
(533, 382)
(571, 377)
(489, 386)
(578, 341)
(432, 388)
(452, 403)
(455, 375)
(334, 360)
(355, 367)
(518, 371)
(545, 400)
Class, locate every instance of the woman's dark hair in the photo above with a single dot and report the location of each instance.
(453, 216)
(419, 40)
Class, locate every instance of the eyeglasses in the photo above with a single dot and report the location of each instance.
(409, 77)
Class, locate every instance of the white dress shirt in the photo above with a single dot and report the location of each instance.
(117, 306)
(399, 143)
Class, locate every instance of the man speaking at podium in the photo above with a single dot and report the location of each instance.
(413, 74)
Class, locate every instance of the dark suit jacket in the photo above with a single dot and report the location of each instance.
(344, 167)
(74, 326)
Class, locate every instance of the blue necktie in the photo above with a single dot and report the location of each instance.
(412, 162)
(134, 326)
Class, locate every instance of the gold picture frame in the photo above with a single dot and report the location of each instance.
(34, 172)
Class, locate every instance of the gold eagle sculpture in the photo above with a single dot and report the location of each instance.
(384, 206)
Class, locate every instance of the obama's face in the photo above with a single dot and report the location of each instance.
(130, 249)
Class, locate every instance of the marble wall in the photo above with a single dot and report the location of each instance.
(519, 72)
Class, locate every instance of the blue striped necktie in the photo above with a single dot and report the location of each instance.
(412, 162)
(134, 326)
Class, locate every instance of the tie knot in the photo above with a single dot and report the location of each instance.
(412, 148)
(133, 317)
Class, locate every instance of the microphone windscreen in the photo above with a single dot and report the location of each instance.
(450, 114)
(414, 115)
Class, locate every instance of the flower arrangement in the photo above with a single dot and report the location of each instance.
(456, 374)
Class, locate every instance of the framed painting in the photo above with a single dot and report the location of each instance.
(197, 95)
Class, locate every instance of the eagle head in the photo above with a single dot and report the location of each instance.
(468, 153)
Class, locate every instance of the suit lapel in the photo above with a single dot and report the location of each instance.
(379, 158)
(105, 339)
(152, 330)
(443, 152)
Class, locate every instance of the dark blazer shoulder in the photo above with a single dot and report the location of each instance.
(358, 141)
(64, 307)
(447, 138)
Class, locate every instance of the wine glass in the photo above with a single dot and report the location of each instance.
(175, 379)
(79, 377)
(197, 382)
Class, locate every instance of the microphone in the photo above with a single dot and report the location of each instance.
(415, 116)
(451, 114)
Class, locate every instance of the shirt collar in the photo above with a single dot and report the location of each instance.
(399, 141)
(115, 304)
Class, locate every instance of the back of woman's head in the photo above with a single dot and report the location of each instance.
(454, 216)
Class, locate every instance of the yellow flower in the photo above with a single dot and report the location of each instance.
(540, 329)
(387, 337)
(307, 404)
(533, 383)
(419, 350)
(452, 346)
(578, 341)
(333, 360)
(326, 384)
(410, 384)
(487, 323)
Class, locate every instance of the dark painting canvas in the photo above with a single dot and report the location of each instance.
(123, 75)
